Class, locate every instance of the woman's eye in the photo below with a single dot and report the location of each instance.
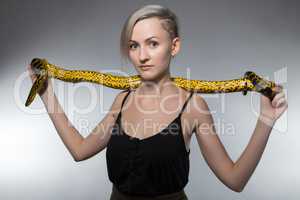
(154, 44)
(132, 46)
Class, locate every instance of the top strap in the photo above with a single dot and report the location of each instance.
(185, 103)
(125, 98)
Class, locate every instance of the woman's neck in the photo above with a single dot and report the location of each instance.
(158, 87)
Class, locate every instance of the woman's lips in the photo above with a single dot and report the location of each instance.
(146, 67)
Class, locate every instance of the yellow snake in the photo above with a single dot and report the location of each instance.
(44, 70)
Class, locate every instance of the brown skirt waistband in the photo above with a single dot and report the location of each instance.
(118, 195)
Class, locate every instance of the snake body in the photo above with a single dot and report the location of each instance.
(44, 70)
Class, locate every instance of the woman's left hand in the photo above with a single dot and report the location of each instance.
(271, 111)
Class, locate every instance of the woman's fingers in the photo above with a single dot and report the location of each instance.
(278, 99)
(278, 88)
(280, 102)
(278, 96)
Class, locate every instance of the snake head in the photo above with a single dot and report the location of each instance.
(261, 85)
(40, 70)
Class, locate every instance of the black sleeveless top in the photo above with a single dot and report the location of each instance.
(152, 166)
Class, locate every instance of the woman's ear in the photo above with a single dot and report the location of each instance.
(175, 46)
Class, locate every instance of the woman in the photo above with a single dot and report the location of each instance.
(147, 145)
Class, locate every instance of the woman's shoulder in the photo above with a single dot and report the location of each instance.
(195, 103)
(198, 100)
(121, 95)
(117, 102)
(199, 107)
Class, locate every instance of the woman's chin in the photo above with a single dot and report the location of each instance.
(145, 76)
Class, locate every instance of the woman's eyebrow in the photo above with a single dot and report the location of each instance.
(146, 39)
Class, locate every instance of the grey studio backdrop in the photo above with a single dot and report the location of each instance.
(220, 40)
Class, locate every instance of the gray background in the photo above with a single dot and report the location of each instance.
(221, 40)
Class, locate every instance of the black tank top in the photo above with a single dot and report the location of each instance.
(152, 166)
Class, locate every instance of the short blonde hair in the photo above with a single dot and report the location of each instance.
(169, 23)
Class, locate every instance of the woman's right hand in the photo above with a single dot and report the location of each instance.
(47, 86)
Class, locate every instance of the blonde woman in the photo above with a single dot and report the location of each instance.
(148, 129)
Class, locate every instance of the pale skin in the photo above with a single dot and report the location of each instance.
(151, 44)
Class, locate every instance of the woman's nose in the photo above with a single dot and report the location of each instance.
(143, 56)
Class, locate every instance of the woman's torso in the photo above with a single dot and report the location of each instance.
(148, 153)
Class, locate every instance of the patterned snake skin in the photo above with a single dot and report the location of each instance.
(44, 70)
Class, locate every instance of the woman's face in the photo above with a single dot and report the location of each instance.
(151, 44)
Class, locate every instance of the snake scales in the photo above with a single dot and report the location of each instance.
(44, 70)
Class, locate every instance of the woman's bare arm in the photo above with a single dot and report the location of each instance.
(234, 175)
(97, 140)
(79, 147)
